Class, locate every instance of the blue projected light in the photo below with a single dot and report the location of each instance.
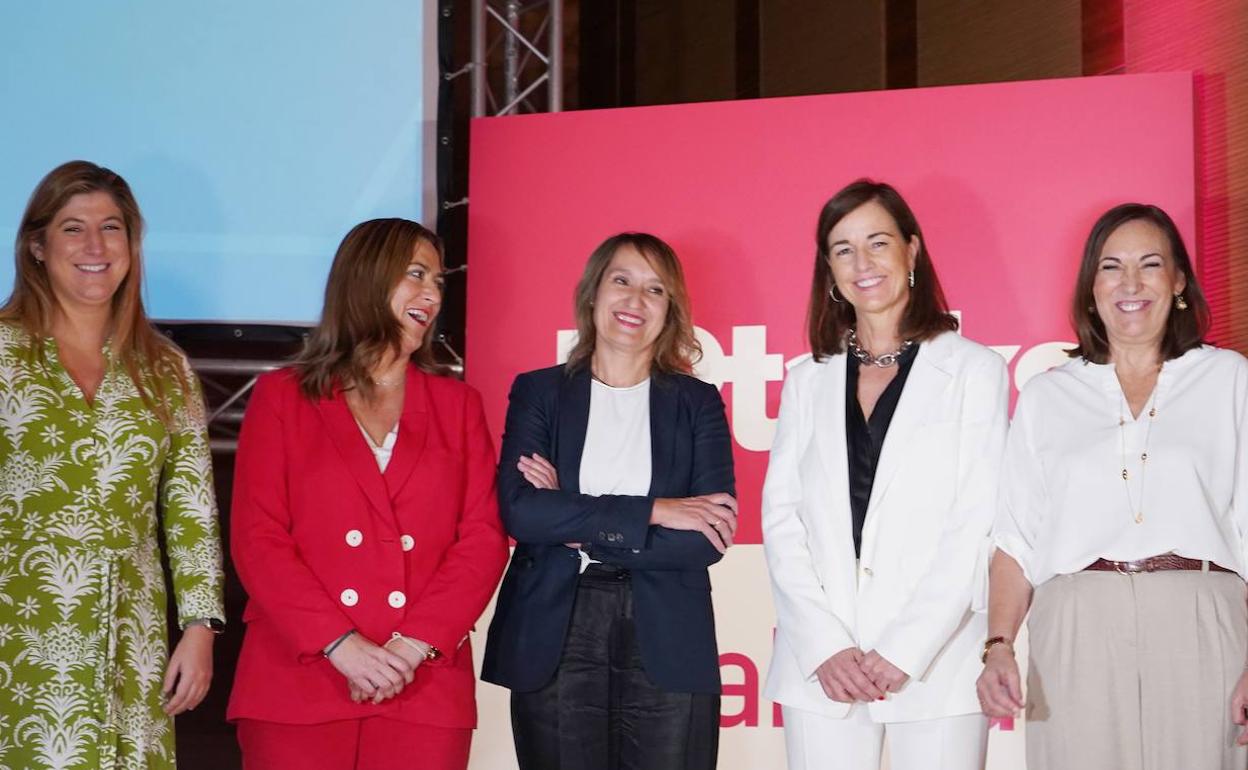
(254, 134)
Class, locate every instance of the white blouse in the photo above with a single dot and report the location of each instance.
(384, 451)
(1064, 502)
(616, 456)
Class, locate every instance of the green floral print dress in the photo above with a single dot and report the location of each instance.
(83, 487)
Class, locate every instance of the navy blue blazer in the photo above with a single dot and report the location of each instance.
(691, 454)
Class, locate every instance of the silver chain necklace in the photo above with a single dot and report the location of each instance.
(863, 355)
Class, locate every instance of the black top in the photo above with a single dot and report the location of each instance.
(864, 439)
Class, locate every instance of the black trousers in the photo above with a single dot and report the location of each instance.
(600, 712)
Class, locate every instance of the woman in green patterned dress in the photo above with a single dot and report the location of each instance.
(102, 440)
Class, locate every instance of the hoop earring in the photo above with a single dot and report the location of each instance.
(911, 279)
(1179, 302)
(832, 294)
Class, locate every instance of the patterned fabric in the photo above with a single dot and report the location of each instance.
(83, 645)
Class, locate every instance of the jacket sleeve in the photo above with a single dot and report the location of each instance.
(815, 631)
(554, 516)
(670, 549)
(943, 598)
(265, 554)
(470, 568)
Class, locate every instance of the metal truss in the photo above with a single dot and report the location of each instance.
(228, 383)
(503, 22)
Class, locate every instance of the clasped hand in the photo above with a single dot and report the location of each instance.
(714, 515)
(854, 676)
(375, 672)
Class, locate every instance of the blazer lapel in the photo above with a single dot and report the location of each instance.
(923, 387)
(829, 430)
(573, 421)
(413, 428)
(662, 421)
(345, 435)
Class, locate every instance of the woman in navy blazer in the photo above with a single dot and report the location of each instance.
(616, 481)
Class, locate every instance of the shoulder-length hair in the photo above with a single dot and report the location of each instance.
(149, 358)
(1185, 329)
(677, 349)
(827, 320)
(357, 325)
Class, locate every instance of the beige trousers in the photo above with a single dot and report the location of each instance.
(1135, 672)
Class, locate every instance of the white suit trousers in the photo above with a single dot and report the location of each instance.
(817, 742)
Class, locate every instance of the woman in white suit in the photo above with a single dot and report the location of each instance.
(878, 503)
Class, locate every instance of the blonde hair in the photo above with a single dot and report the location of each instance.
(677, 349)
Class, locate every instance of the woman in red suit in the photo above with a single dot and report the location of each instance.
(365, 529)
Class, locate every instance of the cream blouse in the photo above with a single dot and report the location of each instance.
(1064, 502)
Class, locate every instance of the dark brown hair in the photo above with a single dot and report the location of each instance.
(676, 350)
(926, 314)
(357, 325)
(1185, 329)
(32, 305)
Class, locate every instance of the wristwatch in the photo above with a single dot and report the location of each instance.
(214, 625)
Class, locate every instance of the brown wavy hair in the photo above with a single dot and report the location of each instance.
(677, 349)
(926, 314)
(357, 326)
(1185, 329)
(149, 358)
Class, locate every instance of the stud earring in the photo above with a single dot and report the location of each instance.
(1179, 302)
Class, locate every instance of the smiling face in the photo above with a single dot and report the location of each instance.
(630, 305)
(417, 298)
(870, 260)
(86, 251)
(1136, 280)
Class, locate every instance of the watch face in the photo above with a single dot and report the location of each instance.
(212, 624)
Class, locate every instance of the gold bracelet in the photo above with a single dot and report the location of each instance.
(428, 652)
(988, 645)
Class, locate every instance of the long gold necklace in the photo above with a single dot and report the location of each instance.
(1137, 512)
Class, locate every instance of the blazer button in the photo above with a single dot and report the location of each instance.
(397, 599)
(349, 597)
(408, 542)
(354, 538)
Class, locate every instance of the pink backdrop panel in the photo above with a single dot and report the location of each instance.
(1006, 180)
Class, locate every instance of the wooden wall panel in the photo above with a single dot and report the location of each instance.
(983, 41)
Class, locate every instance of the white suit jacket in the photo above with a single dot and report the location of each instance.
(925, 542)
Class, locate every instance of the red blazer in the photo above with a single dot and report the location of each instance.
(324, 542)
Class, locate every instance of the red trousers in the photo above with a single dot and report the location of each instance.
(375, 743)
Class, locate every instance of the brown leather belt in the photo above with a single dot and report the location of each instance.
(1162, 563)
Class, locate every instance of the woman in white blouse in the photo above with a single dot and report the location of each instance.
(1124, 508)
(879, 498)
